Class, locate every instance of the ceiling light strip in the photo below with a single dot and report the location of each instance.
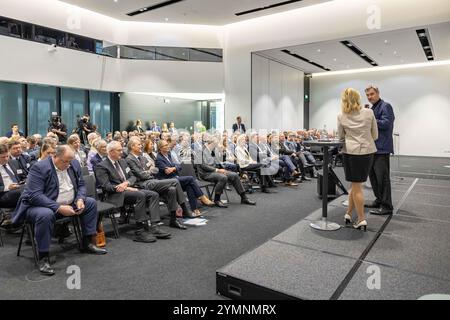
(267, 7)
(153, 7)
(387, 68)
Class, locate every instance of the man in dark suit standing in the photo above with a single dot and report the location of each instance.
(380, 172)
(170, 189)
(55, 188)
(116, 179)
(210, 170)
(239, 126)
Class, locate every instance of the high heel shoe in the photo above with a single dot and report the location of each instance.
(361, 225)
(348, 218)
(206, 202)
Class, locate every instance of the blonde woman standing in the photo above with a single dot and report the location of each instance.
(357, 128)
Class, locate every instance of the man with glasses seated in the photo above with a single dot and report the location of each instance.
(116, 179)
(55, 189)
(210, 170)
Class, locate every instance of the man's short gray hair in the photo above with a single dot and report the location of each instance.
(113, 145)
(132, 142)
(61, 150)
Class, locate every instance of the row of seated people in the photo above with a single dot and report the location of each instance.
(52, 186)
(132, 180)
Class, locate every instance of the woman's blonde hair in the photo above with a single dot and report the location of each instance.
(351, 100)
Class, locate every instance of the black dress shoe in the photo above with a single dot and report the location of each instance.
(158, 233)
(45, 268)
(265, 190)
(248, 201)
(372, 204)
(93, 249)
(306, 179)
(220, 204)
(177, 224)
(143, 236)
(381, 212)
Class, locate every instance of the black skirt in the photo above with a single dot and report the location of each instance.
(356, 167)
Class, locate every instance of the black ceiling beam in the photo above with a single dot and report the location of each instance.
(153, 7)
(267, 7)
(305, 60)
(352, 47)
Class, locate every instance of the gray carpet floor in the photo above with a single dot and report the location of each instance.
(180, 268)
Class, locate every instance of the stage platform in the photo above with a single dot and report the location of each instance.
(410, 251)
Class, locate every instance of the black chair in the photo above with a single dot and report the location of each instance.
(29, 229)
(103, 208)
(187, 169)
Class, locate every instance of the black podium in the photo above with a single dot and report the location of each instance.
(325, 144)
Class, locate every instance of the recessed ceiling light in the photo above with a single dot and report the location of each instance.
(335, 59)
(395, 52)
(427, 47)
(318, 50)
(167, 19)
(386, 41)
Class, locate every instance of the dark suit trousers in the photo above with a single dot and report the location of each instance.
(380, 180)
(222, 179)
(264, 180)
(169, 189)
(44, 221)
(143, 200)
(189, 184)
(10, 198)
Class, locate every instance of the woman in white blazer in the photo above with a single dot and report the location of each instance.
(357, 128)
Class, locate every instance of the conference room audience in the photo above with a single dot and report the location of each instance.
(169, 169)
(19, 162)
(117, 180)
(99, 156)
(55, 189)
(48, 149)
(14, 132)
(168, 189)
(138, 126)
(10, 189)
(247, 164)
(210, 169)
(154, 127)
(74, 143)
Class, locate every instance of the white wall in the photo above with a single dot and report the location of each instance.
(27, 61)
(420, 98)
(326, 21)
(147, 108)
(277, 95)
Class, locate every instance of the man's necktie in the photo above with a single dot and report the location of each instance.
(119, 171)
(142, 161)
(10, 174)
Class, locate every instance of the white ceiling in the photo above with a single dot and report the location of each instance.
(385, 48)
(205, 12)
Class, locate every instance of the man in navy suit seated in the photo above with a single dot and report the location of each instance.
(170, 169)
(20, 163)
(55, 189)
